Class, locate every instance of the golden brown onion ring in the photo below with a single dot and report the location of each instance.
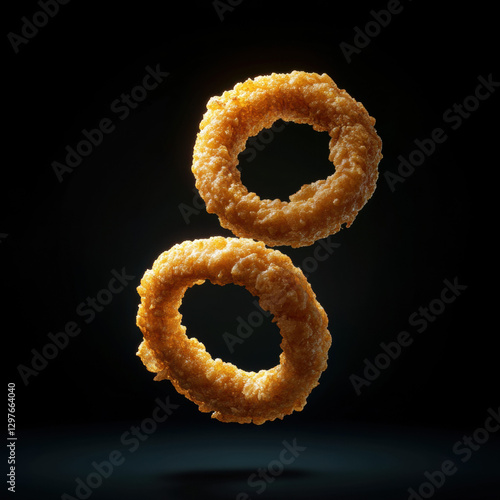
(232, 394)
(318, 209)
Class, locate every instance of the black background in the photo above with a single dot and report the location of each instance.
(120, 209)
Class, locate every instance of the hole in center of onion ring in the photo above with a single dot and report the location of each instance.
(232, 326)
(280, 160)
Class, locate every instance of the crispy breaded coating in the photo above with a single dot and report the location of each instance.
(318, 209)
(232, 394)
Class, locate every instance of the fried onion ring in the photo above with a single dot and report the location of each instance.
(232, 394)
(318, 209)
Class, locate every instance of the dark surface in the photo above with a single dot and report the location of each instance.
(62, 242)
(222, 462)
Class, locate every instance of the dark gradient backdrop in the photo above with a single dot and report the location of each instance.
(418, 259)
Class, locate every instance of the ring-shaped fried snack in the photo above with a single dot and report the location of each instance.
(318, 209)
(232, 394)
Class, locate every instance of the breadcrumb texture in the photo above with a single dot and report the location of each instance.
(232, 394)
(318, 209)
